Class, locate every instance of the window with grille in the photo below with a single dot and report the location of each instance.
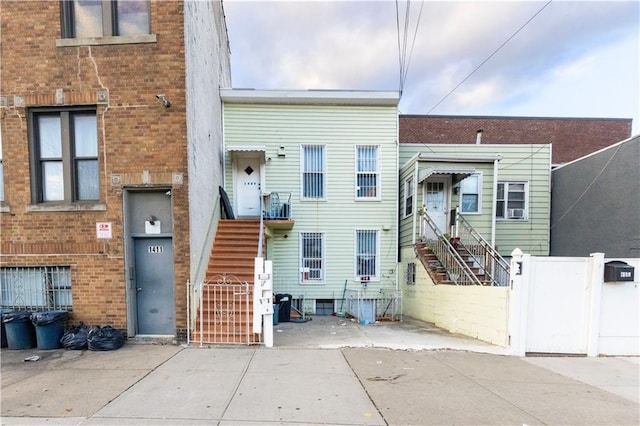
(64, 155)
(367, 172)
(313, 171)
(408, 196)
(104, 18)
(36, 288)
(411, 273)
(366, 254)
(470, 194)
(312, 257)
(511, 200)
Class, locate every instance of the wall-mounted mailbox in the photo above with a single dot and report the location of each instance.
(616, 270)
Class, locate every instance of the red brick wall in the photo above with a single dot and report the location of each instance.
(135, 134)
(571, 137)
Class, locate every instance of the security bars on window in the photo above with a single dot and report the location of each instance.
(36, 288)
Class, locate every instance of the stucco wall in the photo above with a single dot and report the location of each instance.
(596, 204)
(478, 312)
(207, 69)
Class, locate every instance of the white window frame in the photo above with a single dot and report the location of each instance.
(504, 214)
(322, 172)
(376, 255)
(364, 173)
(306, 279)
(479, 178)
(409, 194)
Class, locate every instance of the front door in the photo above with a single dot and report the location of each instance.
(436, 201)
(248, 191)
(154, 286)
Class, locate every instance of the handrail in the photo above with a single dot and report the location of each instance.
(261, 238)
(457, 269)
(494, 266)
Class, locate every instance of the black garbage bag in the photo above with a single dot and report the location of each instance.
(105, 338)
(48, 317)
(75, 337)
(16, 316)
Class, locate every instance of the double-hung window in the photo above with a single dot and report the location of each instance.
(511, 200)
(408, 196)
(313, 172)
(470, 194)
(64, 155)
(312, 257)
(367, 172)
(367, 263)
(104, 18)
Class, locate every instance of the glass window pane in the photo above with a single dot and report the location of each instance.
(50, 136)
(87, 178)
(499, 208)
(87, 18)
(469, 203)
(85, 135)
(469, 185)
(132, 17)
(52, 181)
(500, 195)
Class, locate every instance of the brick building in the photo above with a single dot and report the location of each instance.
(111, 156)
(571, 138)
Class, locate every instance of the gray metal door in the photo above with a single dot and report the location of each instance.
(155, 303)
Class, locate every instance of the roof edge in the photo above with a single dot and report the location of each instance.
(311, 97)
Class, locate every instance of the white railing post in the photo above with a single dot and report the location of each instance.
(596, 281)
(518, 303)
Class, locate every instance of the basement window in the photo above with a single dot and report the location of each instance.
(36, 288)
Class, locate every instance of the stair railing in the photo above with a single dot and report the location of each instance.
(493, 265)
(457, 270)
(261, 238)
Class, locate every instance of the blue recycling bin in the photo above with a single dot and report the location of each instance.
(276, 313)
(19, 330)
(50, 327)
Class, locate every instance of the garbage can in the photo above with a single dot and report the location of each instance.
(19, 329)
(276, 314)
(3, 336)
(49, 328)
(284, 302)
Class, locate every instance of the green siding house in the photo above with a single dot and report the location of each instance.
(321, 168)
(502, 191)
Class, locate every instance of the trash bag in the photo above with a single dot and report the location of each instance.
(48, 317)
(16, 316)
(75, 337)
(105, 339)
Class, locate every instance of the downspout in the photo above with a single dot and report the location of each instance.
(495, 198)
(415, 201)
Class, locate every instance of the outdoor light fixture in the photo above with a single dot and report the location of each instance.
(165, 101)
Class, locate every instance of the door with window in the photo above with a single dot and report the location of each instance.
(436, 201)
(247, 186)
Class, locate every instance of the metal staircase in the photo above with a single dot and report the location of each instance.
(465, 259)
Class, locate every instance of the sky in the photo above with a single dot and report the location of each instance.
(499, 58)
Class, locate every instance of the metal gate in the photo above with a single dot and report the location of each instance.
(219, 311)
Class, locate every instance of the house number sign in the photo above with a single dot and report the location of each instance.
(154, 249)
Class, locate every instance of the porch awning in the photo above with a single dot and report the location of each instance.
(459, 173)
(247, 149)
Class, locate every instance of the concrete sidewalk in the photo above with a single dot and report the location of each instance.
(356, 382)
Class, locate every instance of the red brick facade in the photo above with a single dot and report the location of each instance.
(571, 138)
(141, 144)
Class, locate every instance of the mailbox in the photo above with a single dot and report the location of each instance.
(617, 270)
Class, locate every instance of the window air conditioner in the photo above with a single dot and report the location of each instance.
(515, 213)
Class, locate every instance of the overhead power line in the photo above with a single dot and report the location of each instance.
(490, 56)
(405, 61)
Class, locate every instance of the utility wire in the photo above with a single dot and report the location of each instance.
(490, 56)
(404, 61)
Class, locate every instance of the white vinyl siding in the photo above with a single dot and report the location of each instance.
(367, 172)
(313, 172)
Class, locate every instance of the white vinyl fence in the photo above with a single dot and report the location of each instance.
(563, 305)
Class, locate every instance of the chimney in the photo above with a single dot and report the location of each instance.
(479, 137)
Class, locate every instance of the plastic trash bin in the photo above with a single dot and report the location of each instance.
(284, 302)
(20, 331)
(49, 328)
(3, 335)
(276, 314)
